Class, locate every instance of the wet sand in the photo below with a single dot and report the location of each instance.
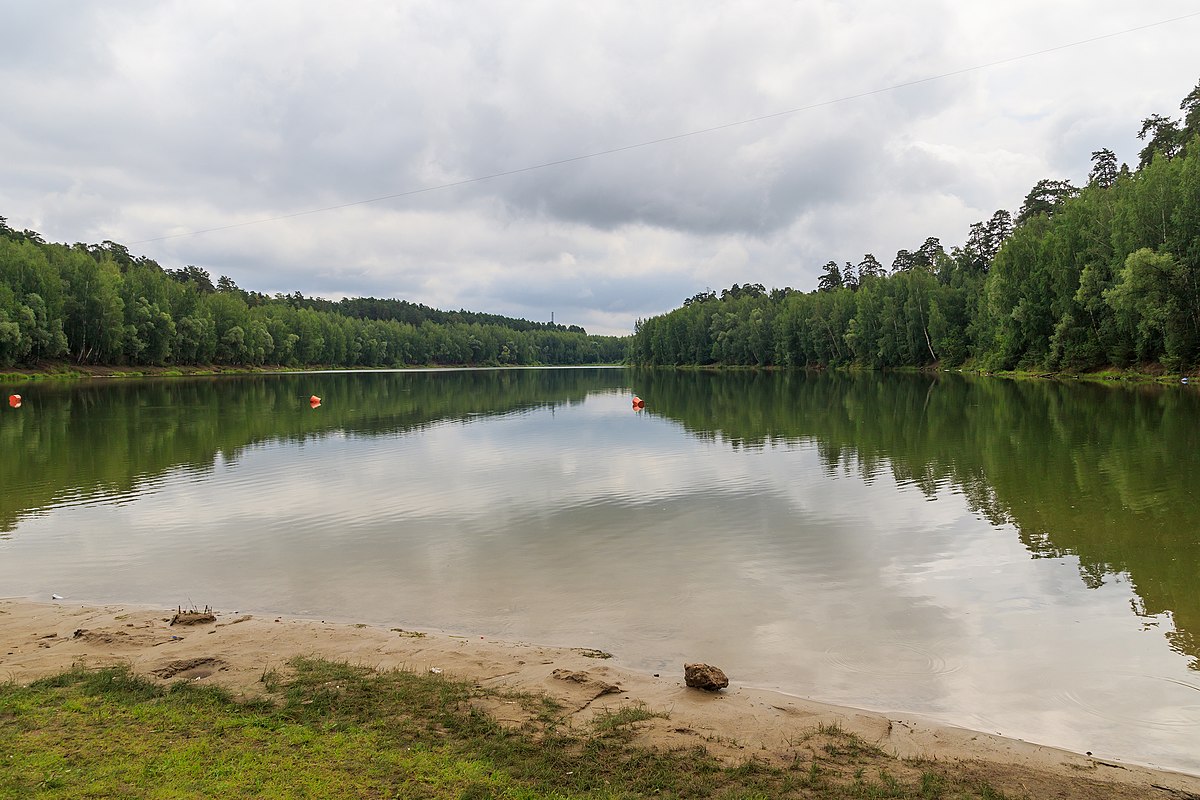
(235, 650)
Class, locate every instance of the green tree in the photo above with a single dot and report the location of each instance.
(903, 261)
(1154, 301)
(1162, 137)
(1104, 168)
(196, 276)
(1045, 198)
(869, 267)
(93, 309)
(831, 278)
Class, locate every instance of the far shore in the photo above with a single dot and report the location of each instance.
(234, 650)
(1146, 374)
(70, 371)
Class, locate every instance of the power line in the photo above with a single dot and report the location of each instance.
(676, 137)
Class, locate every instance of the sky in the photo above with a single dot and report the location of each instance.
(143, 122)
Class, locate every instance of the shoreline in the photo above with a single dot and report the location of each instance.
(79, 372)
(38, 639)
(82, 372)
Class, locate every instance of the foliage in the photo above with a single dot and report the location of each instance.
(1082, 279)
(98, 304)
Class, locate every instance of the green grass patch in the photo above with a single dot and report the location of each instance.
(623, 721)
(332, 730)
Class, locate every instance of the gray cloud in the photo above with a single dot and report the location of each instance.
(141, 119)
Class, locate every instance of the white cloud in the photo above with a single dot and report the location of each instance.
(136, 120)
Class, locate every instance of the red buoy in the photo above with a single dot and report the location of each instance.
(314, 401)
(638, 403)
(14, 400)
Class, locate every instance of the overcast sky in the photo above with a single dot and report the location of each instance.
(132, 121)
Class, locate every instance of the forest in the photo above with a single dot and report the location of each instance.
(100, 305)
(1082, 278)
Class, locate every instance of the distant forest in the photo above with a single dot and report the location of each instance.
(98, 304)
(1103, 275)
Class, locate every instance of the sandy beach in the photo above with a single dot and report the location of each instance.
(235, 650)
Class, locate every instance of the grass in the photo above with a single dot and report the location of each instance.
(1143, 374)
(623, 721)
(331, 730)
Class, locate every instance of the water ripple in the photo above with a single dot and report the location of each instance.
(1175, 703)
(888, 659)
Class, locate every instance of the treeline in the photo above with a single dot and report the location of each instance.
(417, 313)
(1103, 275)
(98, 304)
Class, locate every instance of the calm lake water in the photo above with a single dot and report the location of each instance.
(1021, 558)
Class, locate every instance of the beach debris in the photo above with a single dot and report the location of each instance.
(435, 670)
(591, 652)
(704, 676)
(588, 681)
(56, 597)
(409, 634)
(193, 616)
(14, 400)
(192, 668)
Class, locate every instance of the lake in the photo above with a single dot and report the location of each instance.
(1016, 557)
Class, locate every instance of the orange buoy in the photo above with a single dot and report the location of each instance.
(14, 400)
(638, 403)
(314, 401)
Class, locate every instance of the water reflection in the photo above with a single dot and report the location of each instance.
(101, 439)
(1105, 474)
(862, 539)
